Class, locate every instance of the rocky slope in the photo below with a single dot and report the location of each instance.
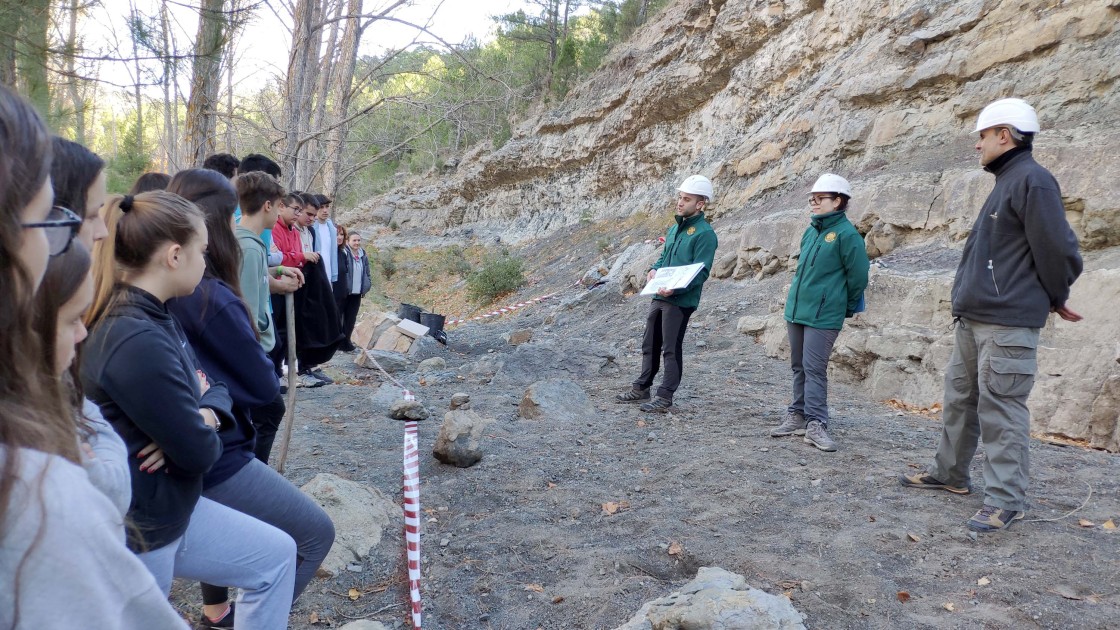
(764, 95)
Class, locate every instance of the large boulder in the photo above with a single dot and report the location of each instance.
(460, 436)
(360, 514)
(717, 600)
(556, 399)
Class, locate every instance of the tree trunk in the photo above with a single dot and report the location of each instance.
(170, 139)
(32, 51)
(340, 103)
(297, 97)
(205, 81)
(322, 90)
(76, 102)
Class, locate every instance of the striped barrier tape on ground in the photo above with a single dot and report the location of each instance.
(410, 489)
(501, 311)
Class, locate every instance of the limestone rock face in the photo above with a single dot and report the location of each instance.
(717, 600)
(771, 94)
(359, 513)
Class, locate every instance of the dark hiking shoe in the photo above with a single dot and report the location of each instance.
(306, 380)
(633, 396)
(792, 424)
(993, 519)
(923, 480)
(204, 623)
(657, 405)
(318, 373)
(817, 435)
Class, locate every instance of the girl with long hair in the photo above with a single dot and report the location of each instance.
(220, 329)
(63, 563)
(139, 369)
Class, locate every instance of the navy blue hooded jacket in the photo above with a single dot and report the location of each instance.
(219, 329)
(139, 369)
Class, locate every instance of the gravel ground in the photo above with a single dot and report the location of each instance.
(522, 540)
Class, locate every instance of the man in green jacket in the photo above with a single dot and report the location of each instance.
(692, 240)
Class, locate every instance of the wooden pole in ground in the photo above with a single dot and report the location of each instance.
(290, 413)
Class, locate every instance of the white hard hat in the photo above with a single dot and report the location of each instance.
(829, 183)
(1010, 112)
(697, 185)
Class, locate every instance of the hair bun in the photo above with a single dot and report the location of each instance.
(126, 203)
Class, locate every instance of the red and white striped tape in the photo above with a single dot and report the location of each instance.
(502, 311)
(410, 487)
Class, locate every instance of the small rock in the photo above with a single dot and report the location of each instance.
(972, 535)
(802, 462)
(460, 400)
(433, 364)
(764, 450)
(354, 567)
(701, 344)
(408, 410)
(444, 542)
(518, 337)
(815, 483)
(364, 624)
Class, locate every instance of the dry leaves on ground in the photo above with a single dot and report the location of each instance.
(614, 507)
(1109, 524)
(913, 537)
(536, 588)
(903, 596)
(949, 606)
(354, 594)
(983, 581)
(1086, 523)
(675, 548)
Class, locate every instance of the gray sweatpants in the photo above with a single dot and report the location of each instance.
(809, 349)
(989, 377)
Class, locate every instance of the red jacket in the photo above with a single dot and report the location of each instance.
(286, 241)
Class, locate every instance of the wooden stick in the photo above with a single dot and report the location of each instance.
(290, 412)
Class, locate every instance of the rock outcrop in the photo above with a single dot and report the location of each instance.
(719, 600)
(763, 96)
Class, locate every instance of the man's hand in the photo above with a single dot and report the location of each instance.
(282, 285)
(312, 256)
(650, 274)
(664, 292)
(294, 273)
(1065, 313)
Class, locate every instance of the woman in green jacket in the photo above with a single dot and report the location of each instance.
(827, 288)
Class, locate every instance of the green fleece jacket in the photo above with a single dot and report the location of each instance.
(831, 273)
(690, 241)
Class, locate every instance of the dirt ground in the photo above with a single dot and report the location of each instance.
(522, 540)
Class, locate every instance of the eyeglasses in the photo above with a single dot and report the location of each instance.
(62, 226)
(295, 209)
(816, 200)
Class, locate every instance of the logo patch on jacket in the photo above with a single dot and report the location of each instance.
(831, 236)
(691, 231)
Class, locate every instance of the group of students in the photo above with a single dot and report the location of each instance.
(138, 453)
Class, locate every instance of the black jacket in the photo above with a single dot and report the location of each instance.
(139, 369)
(343, 286)
(1021, 257)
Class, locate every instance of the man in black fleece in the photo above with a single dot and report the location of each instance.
(1018, 265)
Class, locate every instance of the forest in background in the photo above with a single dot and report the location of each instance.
(337, 121)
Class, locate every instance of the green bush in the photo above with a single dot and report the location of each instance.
(388, 263)
(498, 276)
(454, 261)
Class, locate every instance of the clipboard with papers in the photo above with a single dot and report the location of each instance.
(672, 278)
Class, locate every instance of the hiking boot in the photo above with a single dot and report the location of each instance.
(923, 480)
(657, 405)
(792, 424)
(318, 373)
(633, 396)
(993, 519)
(816, 435)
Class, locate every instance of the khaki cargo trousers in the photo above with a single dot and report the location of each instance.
(989, 377)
